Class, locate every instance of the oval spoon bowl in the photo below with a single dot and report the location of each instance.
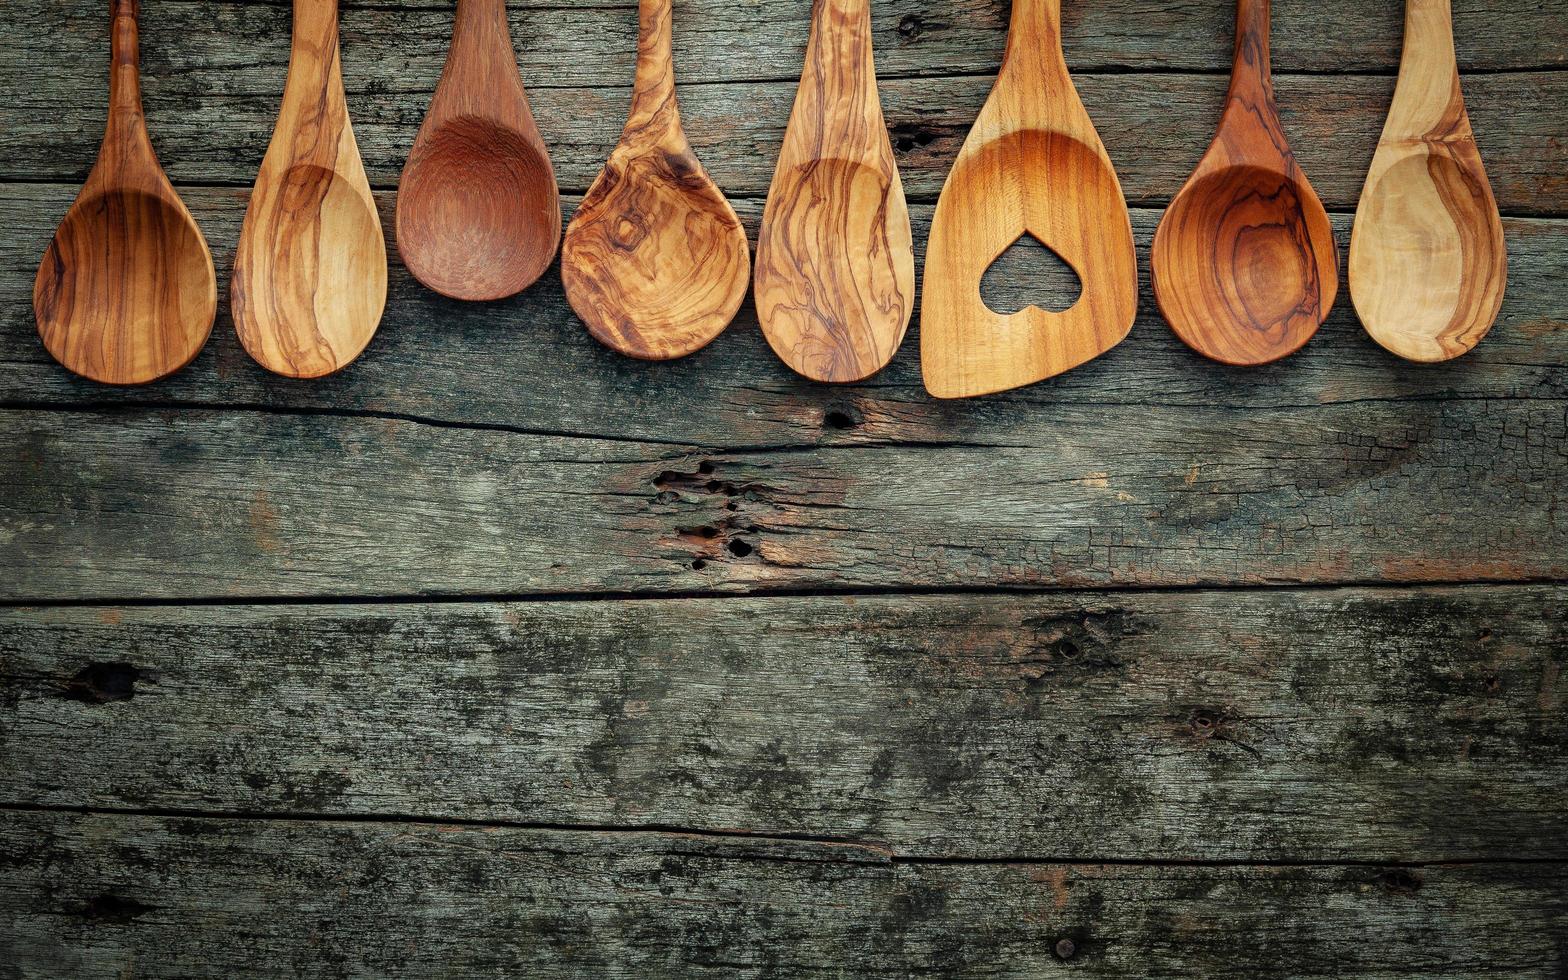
(126, 292)
(322, 223)
(1240, 273)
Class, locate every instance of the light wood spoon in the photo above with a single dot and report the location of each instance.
(310, 272)
(1032, 165)
(835, 281)
(126, 292)
(478, 209)
(655, 261)
(1428, 264)
(1244, 265)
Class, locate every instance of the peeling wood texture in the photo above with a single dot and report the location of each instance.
(1409, 724)
(501, 654)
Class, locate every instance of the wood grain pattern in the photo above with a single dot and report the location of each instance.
(655, 262)
(1032, 165)
(310, 272)
(126, 292)
(1244, 266)
(478, 209)
(835, 279)
(1428, 265)
(100, 895)
(1272, 724)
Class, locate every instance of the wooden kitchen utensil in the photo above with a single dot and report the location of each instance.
(310, 273)
(1032, 165)
(478, 209)
(1244, 264)
(1428, 264)
(126, 292)
(835, 281)
(655, 261)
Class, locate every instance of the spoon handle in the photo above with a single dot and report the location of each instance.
(315, 79)
(126, 129)
(653, 92)
(1251, 78)
(482, 51)
(1034, 39)
(1427, 67)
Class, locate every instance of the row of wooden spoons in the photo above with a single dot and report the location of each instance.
(656, 263)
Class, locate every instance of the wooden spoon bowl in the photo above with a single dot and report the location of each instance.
(1031, 165)
(655, 260)
(126, 291)
(478, 209)
(1244, 264)
(1248, 233)
(1428, 262)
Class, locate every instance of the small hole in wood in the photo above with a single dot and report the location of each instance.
(739, 548)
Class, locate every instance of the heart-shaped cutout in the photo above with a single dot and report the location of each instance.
(1030, 273)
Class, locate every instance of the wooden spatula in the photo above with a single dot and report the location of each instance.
(1428, 264)
(1244, 264)
(835, 280)
(310, 272)
(478, 209)
(1032, 165)
(126, 292)
(655, 261)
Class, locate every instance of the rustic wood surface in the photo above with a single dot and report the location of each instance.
(501, 653)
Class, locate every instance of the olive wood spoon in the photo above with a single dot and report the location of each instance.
(655, 261)
(1032, 165)
(1244, 265)
(126, 292)
(1428, 264)
(310, 272)
(478, 209)
(835, 280)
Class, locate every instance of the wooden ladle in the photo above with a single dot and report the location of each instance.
(126, 292)
(1428, 264)
(655, 261)
(1032, 165)
(835, 280)
(478, 209)
(310, 272)
(1244, 265)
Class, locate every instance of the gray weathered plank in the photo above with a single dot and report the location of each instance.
(110, 896)
(192, 503)
(1413, 724)
(215, 130)
(501, 364)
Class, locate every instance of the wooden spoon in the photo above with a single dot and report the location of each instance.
(310, 273)
(1032, 165)
(655, 260)
(478, 210)
(1428, 264)
(835, 256)
(1244, 265)
(126, 292)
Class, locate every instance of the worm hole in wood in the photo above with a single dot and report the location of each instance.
(102, 683)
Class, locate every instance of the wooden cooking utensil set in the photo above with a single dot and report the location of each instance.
(655, 261)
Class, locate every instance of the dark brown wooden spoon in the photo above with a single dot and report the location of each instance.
(126, 292)
(1244, 265)
(478, 209)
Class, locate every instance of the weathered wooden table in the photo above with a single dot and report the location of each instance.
(501, 655)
